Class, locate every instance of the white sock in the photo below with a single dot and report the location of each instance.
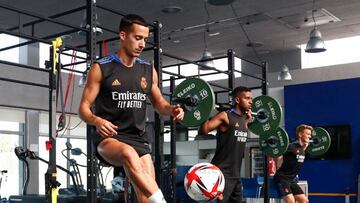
(157, 197)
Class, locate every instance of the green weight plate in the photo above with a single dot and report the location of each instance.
(269, 115)
(320, 142)
(274, 144)
(197, 99)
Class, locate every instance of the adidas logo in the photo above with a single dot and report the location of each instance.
(116, 83)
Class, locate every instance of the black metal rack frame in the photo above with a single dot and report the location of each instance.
(231, 83)
(90, 50)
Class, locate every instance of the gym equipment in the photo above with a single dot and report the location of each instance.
(75, 168)
(319, 143)
(23, 153)
(267, 117)
(197, 99)
(2, 174)
(275, 143)
(62, 199)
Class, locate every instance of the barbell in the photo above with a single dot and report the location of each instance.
(320, 142)
(276, 143)
(197, 98)
(198, 101)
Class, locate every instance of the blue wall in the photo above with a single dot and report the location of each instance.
(327, 103)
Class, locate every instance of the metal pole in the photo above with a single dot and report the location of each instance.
(32, 14)
(91, 49)
(21, 35)
(192, 62)
(197, 61)
(159, 136)
(264, 91)
(32, 23)
(173, 145)
(231, 68)
(50, 176)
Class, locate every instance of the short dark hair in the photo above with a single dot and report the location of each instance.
(238, 90)
(130, 19)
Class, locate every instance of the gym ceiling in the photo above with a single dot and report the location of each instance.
(272, 26)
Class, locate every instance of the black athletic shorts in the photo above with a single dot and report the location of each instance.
(233, 191)
(141, 145)
(287, 186)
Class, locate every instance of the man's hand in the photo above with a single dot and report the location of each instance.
(248, 116)
(177, 113)
(105, 128)
(220, 197)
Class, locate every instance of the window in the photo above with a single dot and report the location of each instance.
(11, 137)
(192, 70)
(44, 51)
(11, 55)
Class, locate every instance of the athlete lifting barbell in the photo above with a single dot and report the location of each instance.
(260, 115)
(310, 140)
(198, 101)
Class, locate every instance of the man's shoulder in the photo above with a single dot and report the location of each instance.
(105, 60)
(142, 61)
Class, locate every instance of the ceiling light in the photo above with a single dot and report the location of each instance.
(66, 37)
(315, 44)
(220, 2)
(284, 74)
(206, 56)
(172, 9)
(254, 44)
(213, 34)
(176, 41)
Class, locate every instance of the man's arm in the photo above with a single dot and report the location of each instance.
(278, 161)
(218, 121)
(90, 93)
(160, 104)
(248, 118)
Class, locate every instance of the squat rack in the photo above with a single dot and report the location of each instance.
(90, 49)
(231, 84)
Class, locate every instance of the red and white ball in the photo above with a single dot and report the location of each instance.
(204, 182)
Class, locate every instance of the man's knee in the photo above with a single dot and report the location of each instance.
(129, 157)
(289, 198)
(303, 200)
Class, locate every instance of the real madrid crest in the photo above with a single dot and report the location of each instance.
(143, 82)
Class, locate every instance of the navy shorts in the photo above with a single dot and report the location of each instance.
(287, 186)
(139, 143)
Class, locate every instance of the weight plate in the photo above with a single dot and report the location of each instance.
(275, 143)
(320, 142)
(197, 99)
(269, 111)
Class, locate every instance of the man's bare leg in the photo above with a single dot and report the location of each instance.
(121, 154)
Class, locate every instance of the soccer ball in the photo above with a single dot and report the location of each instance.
(204, 182)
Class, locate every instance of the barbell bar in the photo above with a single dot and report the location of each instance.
(198, 101)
